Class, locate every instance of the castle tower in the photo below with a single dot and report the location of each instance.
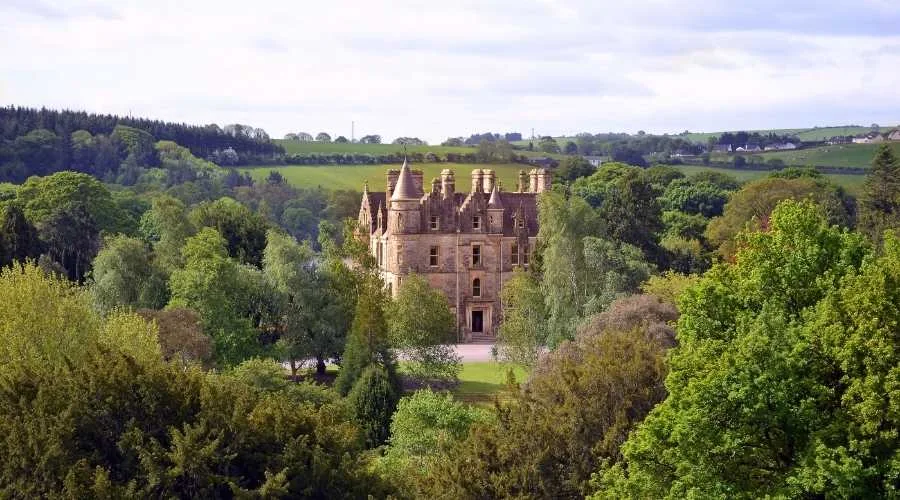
(523, 182)
(404, 207)
(478, 181)
(533, 177)
(544, 179)
(488, 180)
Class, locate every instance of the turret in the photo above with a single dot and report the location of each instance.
(477, 181)
(488, 180)
(533, 177)
(523, 182)
(495, 211)
(544, 179)
(404, 207)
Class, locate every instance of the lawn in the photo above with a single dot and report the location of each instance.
(852, 183)
(481, 381)
(354, 176)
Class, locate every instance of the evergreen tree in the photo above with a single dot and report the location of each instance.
(18, 238)
(880, 206)
(373, 399)
(368, 340)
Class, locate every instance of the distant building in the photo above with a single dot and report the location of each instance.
(543, 162)
(752, 148)
(721, 148)
(869, 138)
(894, 135)
(467, 245)
(840, 139)
(594, 160)
(780, 146)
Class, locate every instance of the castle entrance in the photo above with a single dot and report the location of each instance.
(477, 321)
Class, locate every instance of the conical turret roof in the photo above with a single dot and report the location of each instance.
(406, 186)
(494, 201)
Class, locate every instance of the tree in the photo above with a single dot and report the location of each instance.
(371, 139)
(426, 428)
(373, 400)
(243, 230)
(167, 227)
(421, 325)
(614, 269)
(304, 137)
(523, 330)
(757, 397)
(210, 284)
(323, 137)
(19, 239)
(880, 204)
(181, 335)
(581, 402)
(341, 140)
(72, 239)
(571, 148)
(755, 201)
(573, 168)
(42, 197)
(563, 225)
(311, 310)
(124, 274)
(367, 343)
(690, 197)
(548, 145)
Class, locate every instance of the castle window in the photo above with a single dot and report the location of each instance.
(433, 257)
(399, 222)
(380, 253)
(476, 287)
(514, 254)
(476, 255)
(525, 255)
(476, 222)
(435, 223)
(520, 221)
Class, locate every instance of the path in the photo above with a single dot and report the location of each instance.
(474, 352)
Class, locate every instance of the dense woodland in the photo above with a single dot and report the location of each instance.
(167, 325)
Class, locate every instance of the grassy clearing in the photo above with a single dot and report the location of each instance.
(354, 176)
(481, 381)
(852, 183)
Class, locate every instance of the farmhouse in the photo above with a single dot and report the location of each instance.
(721, 148)
(595, 161)
(466, 245)
(894, 135)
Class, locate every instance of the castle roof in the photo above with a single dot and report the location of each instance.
(495, 202)
(406, 186)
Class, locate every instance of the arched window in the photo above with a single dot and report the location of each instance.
(476, 287)
(399, 222)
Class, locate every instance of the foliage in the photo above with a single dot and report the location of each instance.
(265, 374)
(47, 322)
(373, 400)
(425, 428)
(703, 198)
(125, 275)
(367, 343)
(110, 426)
(614, 269)
(19, 239)
(753, 204)
(210, 284)
(42, 197)
(166, 225)
(181, 334)
(572, 168)
(880, 204)
(243, 230)
(579, 405)
(669, 286)
(523, 330)
(421, 325)
(759, 391)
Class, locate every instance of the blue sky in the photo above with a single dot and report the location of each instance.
(435, 69)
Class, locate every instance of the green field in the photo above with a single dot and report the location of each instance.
(480, 382)
(296, 147)
(354, 176)
(852, 183)
(843, 155)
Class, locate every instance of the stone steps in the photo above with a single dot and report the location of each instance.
(481, 339)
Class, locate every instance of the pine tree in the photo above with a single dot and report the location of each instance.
(368, 340)
(880, 207)
(373, 399)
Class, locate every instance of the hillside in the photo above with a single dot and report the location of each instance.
(844, 155)
(353, 177)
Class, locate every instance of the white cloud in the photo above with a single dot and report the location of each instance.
(438, 69)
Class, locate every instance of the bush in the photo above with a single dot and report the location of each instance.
(373, 400)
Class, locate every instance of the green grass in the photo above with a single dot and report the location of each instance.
(843, 155)
(481, 381)
(354, 176)
(296, 147)
(852, 183)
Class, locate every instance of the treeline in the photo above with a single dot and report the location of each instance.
(624, 148)
(41, 141)
(741, 139)
(485, 153)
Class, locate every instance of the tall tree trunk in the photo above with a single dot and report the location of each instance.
(320, 366)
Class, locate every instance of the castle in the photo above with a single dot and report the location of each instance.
(465, 244)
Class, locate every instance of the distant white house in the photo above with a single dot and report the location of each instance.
(594, 160)
(752, 148)
(721, 148)
(868, 138)
(894, 135)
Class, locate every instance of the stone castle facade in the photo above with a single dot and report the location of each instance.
(466, 245)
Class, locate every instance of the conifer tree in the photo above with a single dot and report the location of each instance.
(367, 343)
(880, 207)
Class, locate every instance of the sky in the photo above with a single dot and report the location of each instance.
(435, 69)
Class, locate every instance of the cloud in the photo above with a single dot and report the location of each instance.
(432, 69)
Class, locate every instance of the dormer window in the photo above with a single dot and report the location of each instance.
(476, 222)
